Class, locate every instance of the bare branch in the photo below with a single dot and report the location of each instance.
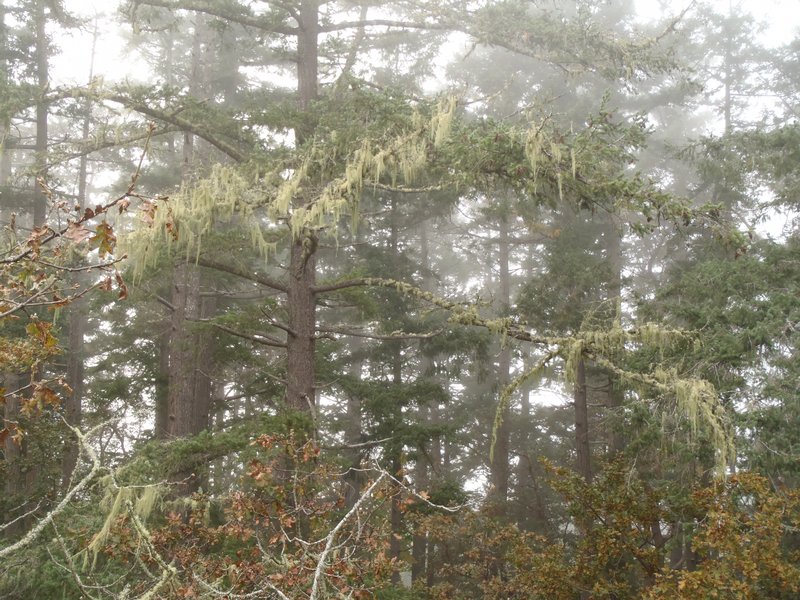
(215, 9)
(323, 557)
(395, 335)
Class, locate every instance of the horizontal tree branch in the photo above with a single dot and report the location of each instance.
(258, 338)
(378, 336)
(226, 268)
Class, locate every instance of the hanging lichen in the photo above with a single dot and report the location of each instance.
(291, 195)
(508, 391)
(142, 499)
(533, 150)
(197, 210)
(442, 120)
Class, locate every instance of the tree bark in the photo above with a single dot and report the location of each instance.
(300, 370)
(43, 80)
(20, 478)
(162, 381)
(614, 419)
(189, 397)
(582, 447)
(302, 308)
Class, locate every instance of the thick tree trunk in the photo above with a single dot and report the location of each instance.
(162, 382)
(307, 57)
(300, 370)
(189, 397)
(302, 308)
(43, 80)
(73, 409)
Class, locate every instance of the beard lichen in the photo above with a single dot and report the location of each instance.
(307, 197)
(140, 501)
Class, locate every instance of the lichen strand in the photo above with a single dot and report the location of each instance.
(508, 391)
(696, 398)
(142, 499)
(442, 120)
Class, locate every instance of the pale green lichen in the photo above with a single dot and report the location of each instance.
(230, 195)
(142, 499)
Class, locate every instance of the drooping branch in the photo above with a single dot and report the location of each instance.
(167, 116)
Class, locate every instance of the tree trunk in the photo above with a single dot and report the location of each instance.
(300, 370)
(302, 308)
(189, 397)
(43, 80)
(582, 447)
(73, 409)
(162, 381)
(15, 488)
(19, 476)
(420, 564)
(614, 417)
(500, 471)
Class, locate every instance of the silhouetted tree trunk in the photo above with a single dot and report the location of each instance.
(73, 403)
(21, 477)
(500, 470)
(614, 417)
(189, 397)
(582, 447)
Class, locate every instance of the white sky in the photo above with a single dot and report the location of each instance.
(72, 66)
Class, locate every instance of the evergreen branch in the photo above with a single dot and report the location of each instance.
(340, 26)
(369, 444)
(179, 122)
(85, 149)
(71, 568)
(169, 117)
(402, 189)
(341, 285)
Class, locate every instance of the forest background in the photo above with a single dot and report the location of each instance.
(398, 300)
